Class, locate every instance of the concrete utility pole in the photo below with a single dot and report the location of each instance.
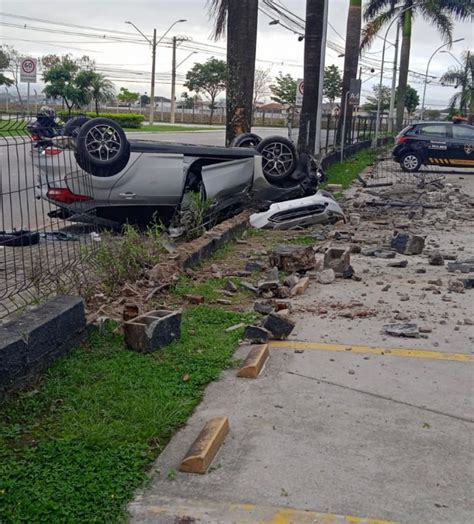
(173, 82)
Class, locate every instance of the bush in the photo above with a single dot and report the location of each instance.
(131, 120)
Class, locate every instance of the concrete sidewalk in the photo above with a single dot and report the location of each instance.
(339, 432)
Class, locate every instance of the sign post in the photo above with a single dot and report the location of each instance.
(299, 92)
(28, 71)
(352, 99)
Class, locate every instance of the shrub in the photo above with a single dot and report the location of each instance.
(131, 120)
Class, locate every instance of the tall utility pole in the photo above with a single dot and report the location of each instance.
(317, 146)
(153, 68)
(173, 83)
(394, 82)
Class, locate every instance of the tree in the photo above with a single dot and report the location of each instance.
(433, 114)
(439, 13)
(412, 99)
(144, 100)
(239, 18)
(102, 90)
(260, 86)
(13, 67)
(351, 61)
(332, 88)
(284, 89)
(4, 63)
(383, 94)
(463, 77)
(314, 29)
(128, 97)
(208, 78)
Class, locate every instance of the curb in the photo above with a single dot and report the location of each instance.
(205, 447)
(254, 362)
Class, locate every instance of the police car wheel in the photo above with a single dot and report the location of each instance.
(410, 162)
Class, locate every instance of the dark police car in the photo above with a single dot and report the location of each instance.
(435, 143)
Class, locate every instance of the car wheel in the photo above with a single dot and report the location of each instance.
(279, 158)
(73, 126)
(102, 149)
(246, 140)
(410, 162)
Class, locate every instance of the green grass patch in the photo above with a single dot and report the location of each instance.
(345, 172)
(76, 447)
(163, 128)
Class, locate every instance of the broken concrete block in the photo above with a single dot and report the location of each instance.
(153, 330)
(270, 281)
(291, 280)
(248, 286)
(257, 334)
(326, 277)
(263, 308)
(456, 286)
(280, 305)
(469, 283)
(279, 327)
(463, 267)
(384, 253)
(401, 330)
(194, 299)
(230, 286)
(408, 244)
(338, 259)
(399, 263)
(436, 259)
(292, 258)
(333, 188)
(301, 287)
(354, 219)
(282, 292)
(253, 265)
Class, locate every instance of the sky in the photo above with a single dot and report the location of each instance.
(128, 63)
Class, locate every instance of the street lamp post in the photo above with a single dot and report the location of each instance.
(427, 69)
(154, 44)
(455, 58)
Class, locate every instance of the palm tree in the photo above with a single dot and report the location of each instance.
(312, 65)
(102, 90)
(438, 12)
(463, 77)
(239, 19)
(351, 59)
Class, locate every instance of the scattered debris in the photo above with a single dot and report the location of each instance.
(456, 286)
(400, 263)
(436, 259)
(401, 330)
(292, 258)
(408, 244)
(264, 308)
(279, 327)
(338, 259)
(153, 330)
(270, 280)
(252, 265)
(248, 286)
(236, 327)
(327, 276)
(195, 299)
(466, 266)
(230, 286)
(301, 287)
(257, 334)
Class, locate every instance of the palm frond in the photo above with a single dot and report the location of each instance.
(375, 7)
(432, 11)
(218, 11)
(453, 76)
(372, 28)
(459, 9)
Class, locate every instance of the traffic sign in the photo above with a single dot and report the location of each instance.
(354, 92)
(299, 92)
(28, 69)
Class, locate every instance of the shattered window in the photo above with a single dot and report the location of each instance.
(463, 132)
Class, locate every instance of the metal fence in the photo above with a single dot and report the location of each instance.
(41, 253)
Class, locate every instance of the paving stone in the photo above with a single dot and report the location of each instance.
(279, 327)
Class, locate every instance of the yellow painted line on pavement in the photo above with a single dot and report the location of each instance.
(217, 512)
(392, 352)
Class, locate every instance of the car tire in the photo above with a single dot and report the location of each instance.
(102, 149)
(73, 125)
(246, 140)
(279, 158)
(410, 162)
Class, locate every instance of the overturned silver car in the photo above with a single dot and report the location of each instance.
(98, 173)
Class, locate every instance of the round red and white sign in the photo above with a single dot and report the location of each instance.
(301, 88)
(28, 66)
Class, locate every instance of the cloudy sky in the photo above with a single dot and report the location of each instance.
(80, 25)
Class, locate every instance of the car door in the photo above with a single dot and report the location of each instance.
(462, 146)
(435, 138)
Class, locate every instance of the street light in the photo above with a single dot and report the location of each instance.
(427, 69)
(455, 58)
(153, 43)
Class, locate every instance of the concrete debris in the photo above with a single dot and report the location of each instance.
(456, 286)
(337, 259)
(130, 311)
(236, 327)
(384, 253)
(354, 219)
(195, 299)
(326, 276)
(279, 327)
(291, 280)
(292, 258)
(399, 263)
(248, 286)
(282, 292)
(270, 281)
(301, 287)
(408, 244)
(469, 283)
(153, 330)
(466, 266)
(334, 188)
(253, 265)
(257, 334)
(436, 259)
(264, 308)
(230, 286)
(401, 330)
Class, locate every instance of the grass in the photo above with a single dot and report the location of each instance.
(12, 128)
(345, 172)
(76, 447)
(163, 128)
